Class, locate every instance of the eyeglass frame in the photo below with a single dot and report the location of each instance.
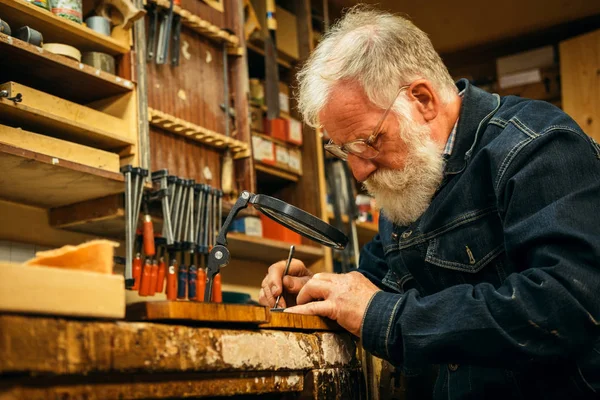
(331, 147)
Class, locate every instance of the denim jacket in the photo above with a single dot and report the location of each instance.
(498, 282)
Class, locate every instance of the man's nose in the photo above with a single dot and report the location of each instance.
(361, 168)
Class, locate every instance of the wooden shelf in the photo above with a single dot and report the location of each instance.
(274, 140)
(195, 132)
(37, 179)
(364, 230)
(55, 74)
(269, 174)
(41, 112)
(105, 217)
(268, 250)
(59, 30)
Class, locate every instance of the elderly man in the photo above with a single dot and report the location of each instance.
(488, 252)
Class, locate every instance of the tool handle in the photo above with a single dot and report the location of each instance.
(137, 272)
(153, 278)
(200, 284)
(146, 273)
(182, 280)
(217, 294)
(192, 282)
(160, 277)
(171, 283)
(149, 248)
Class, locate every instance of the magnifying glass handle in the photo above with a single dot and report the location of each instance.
(287, 268)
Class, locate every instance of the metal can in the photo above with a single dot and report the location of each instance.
(40, 3)
(69, 9)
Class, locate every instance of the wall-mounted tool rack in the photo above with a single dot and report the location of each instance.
(203, 27)
(203, 135)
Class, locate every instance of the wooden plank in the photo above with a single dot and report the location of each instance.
(51, 73)
(61, 149)
(282, 320)
(580, 81)
(194, 311)
(155, 386)
(41, 112)
(268, 250)
(59, 30)
(59, 291)
(267, 174)
(37, 179)
(57, 346)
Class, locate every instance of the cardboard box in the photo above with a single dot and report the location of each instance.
(256, 119)
(527, 60)
(274, 230)
(263, 150)
(295, 161)
(282, 156)
(543, 85)
(251, 226)
(295, 131)
(277, 128)
(284, 97)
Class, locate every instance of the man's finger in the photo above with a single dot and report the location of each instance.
(268, 296)
(313, 290)
(293, 284)
(321, 308)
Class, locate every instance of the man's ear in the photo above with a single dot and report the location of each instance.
(428, 102)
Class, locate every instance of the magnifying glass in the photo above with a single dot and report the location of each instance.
(281, 212)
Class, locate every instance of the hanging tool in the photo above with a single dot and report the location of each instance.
(153, 278)
(176, 38)
(162, 50)
(161, 273)
(227, 162)
(120, 12)
(271, 68)
(148, 231)
(172, 277)
(285, 272)
(129, 280)
(152, 9)
(146, 277)
(161, 177)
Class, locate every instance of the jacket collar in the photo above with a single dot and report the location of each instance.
(478, 107)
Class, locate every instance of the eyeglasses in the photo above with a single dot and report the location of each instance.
(362, 148)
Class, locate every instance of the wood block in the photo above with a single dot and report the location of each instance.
(283, 320)
(60, 149)
(194, 311)
(95, 256)
(57, 291)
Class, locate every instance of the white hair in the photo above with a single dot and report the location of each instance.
(380, 51)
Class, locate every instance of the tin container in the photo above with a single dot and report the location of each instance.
(69, 9)
(29, 35)
(99, 24)
(40, 3)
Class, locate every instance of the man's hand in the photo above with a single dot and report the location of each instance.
(271, 286)
(340, 297)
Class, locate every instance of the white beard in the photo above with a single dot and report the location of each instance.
(403, 195)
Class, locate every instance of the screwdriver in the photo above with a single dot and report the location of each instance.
(172, 278)
(160, 278)
(287, 268)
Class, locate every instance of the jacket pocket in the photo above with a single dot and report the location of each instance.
(468, 247)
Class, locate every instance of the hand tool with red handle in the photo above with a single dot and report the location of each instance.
(146, 276)
(172, 278)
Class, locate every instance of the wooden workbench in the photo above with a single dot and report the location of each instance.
(48, 358)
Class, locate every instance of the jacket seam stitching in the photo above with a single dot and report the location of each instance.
(524, 128)
(508, 160)
(595, 145)
(463, 219)
(460, 266)
(499, 122)
(389, 328)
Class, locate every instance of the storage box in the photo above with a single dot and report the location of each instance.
(282, 156)
(295, 161)
(284, 98)
(263, 150)
(251, 226)
(256, 119)
(277, 128)
(276, 231)
(295, 131)
(538, 84)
